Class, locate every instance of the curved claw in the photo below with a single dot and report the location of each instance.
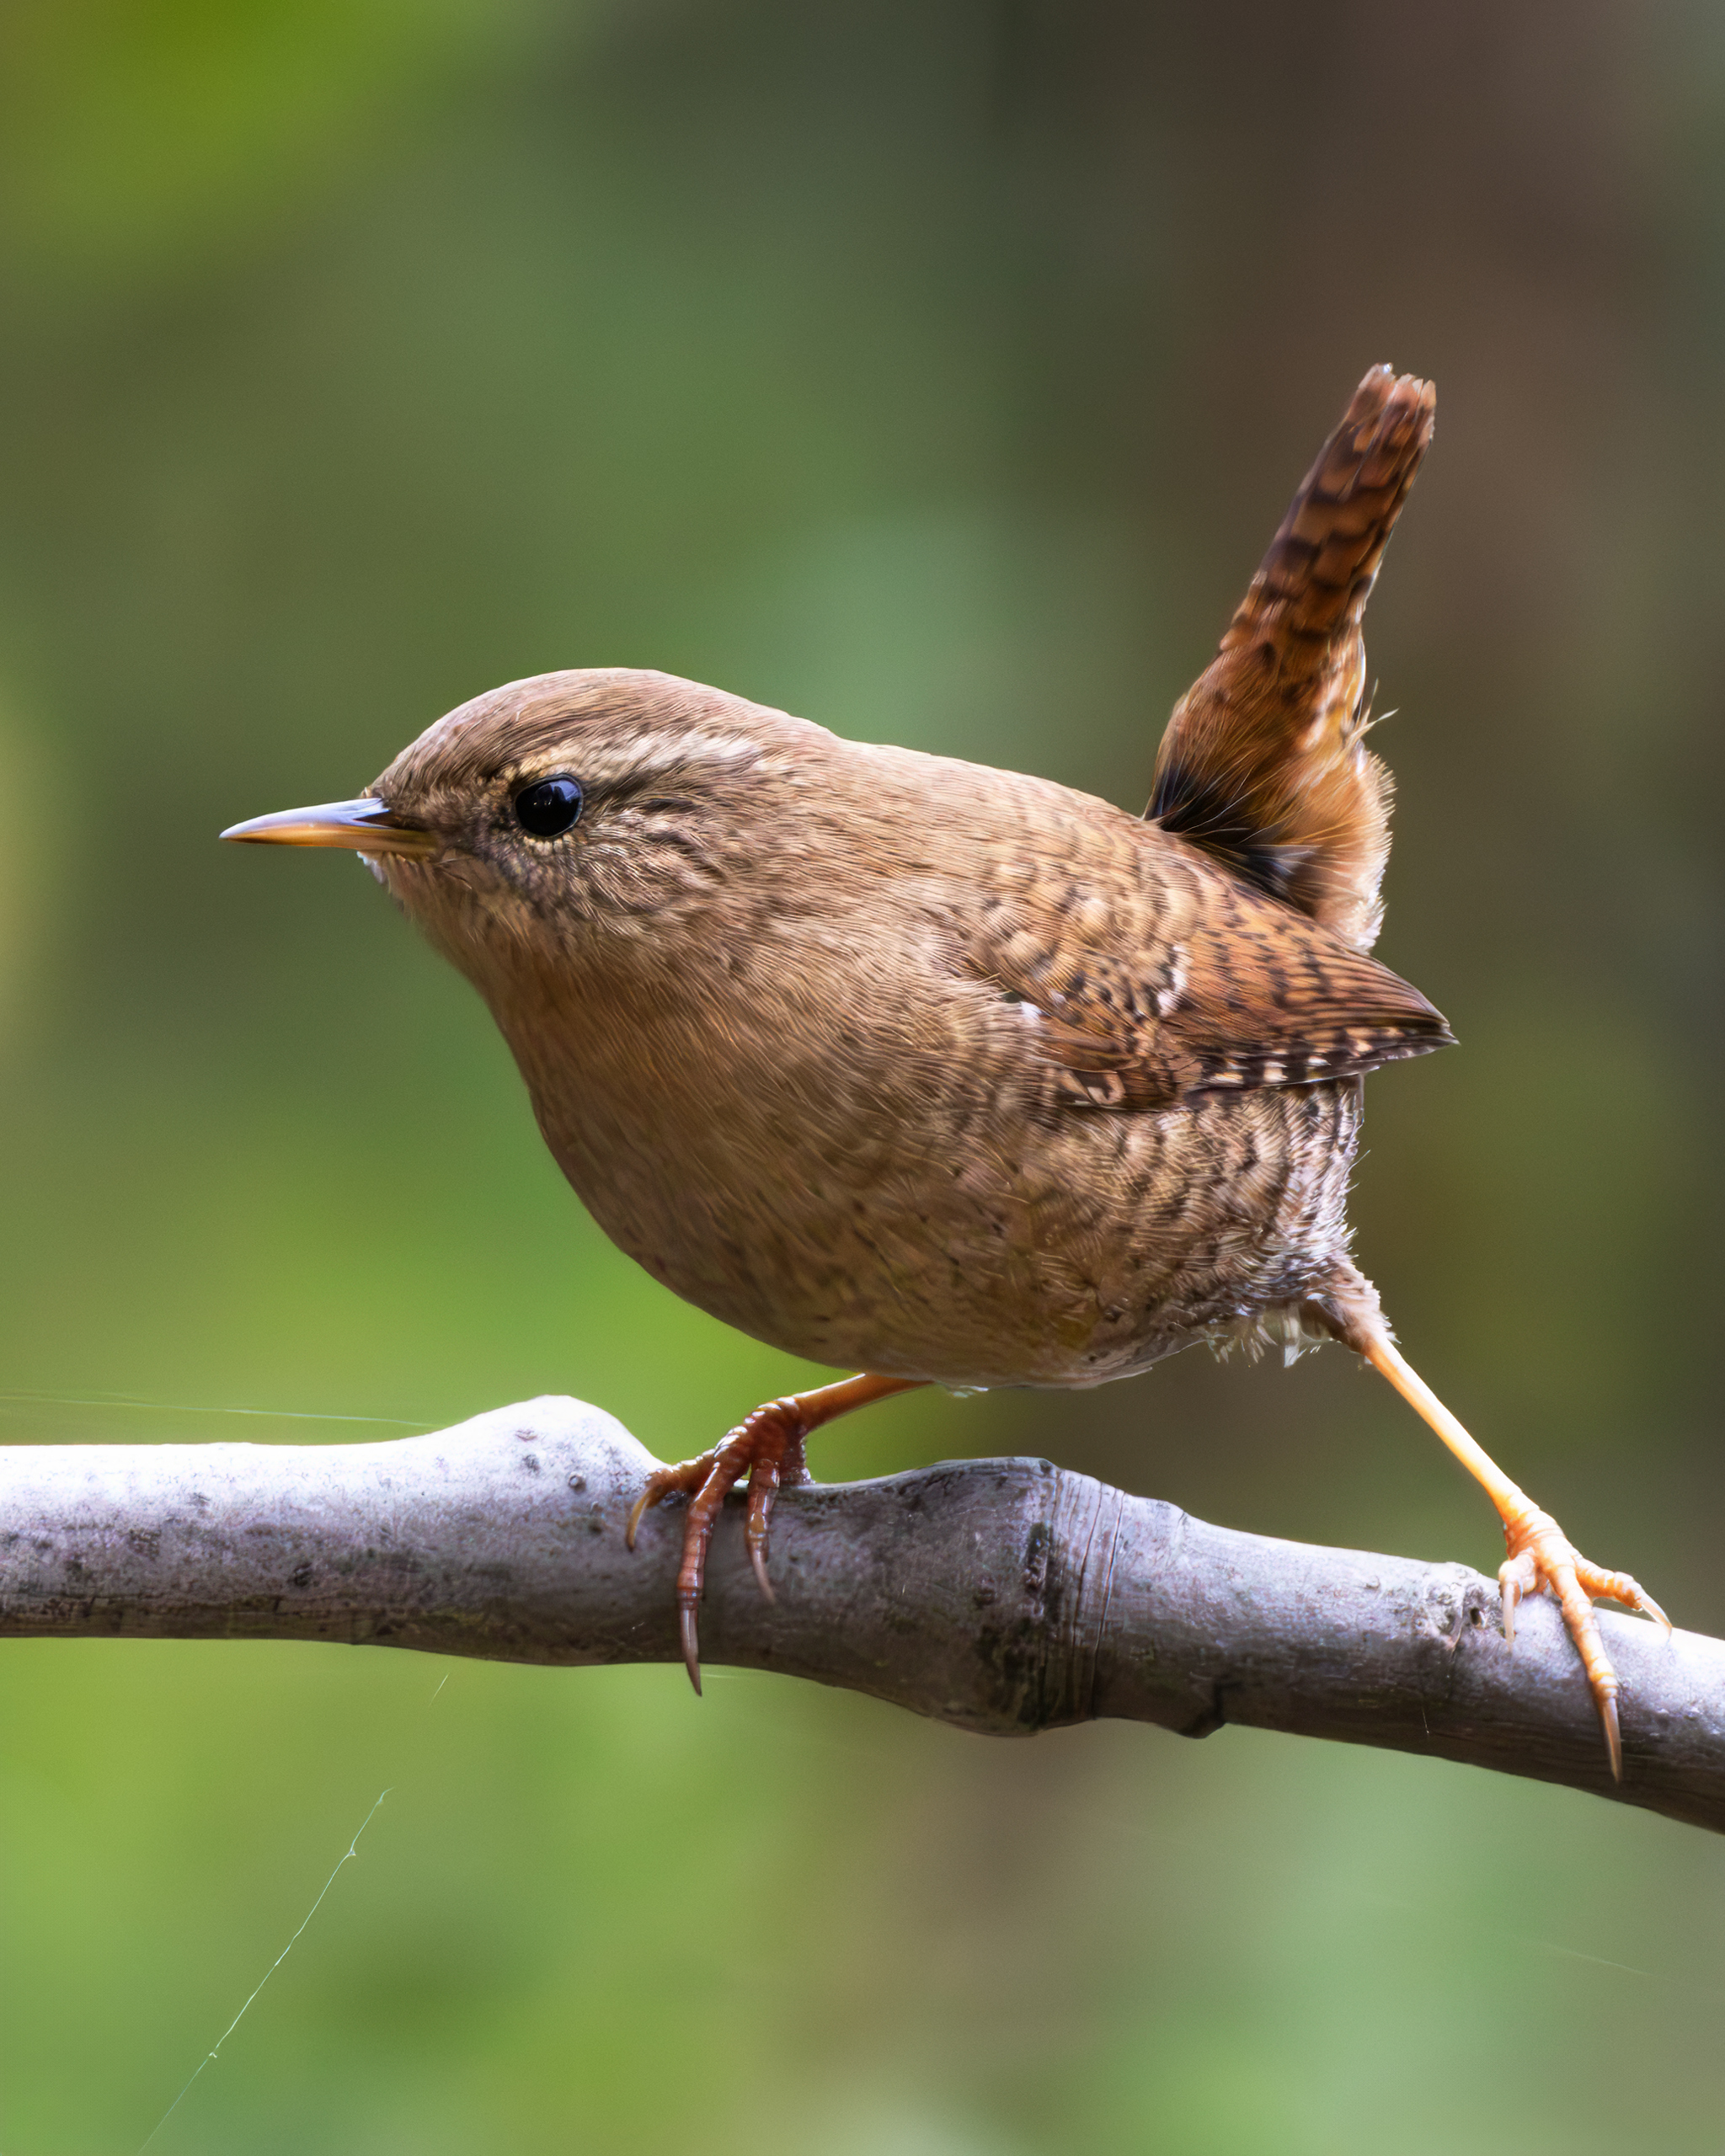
(1515, 1579)
(689, 1632)
(1607, 1705)
(648, 1497)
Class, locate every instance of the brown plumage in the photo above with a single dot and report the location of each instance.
(1263, 762)
(942, 1072)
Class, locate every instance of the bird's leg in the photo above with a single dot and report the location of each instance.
(1540, 1556)
(767, 1446)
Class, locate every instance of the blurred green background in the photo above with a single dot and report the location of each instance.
(938, 370)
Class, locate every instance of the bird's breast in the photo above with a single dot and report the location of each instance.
(878, 1181)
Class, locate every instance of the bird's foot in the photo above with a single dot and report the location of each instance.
(767, 1446)
(1542, 1557)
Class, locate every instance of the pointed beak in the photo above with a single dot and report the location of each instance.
(360, 826)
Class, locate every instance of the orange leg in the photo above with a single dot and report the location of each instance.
(767, 1446)
(1540, 1556)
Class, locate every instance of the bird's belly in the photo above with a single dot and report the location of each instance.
(1086, 1246)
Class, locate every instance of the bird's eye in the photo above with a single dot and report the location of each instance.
(550, 807)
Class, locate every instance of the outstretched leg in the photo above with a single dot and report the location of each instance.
(1540, 1556)
(767, 1446)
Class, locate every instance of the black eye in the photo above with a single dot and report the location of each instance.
(549, 808)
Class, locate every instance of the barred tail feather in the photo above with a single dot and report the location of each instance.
(1263, 763)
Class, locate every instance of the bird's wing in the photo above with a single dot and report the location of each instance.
(1263, 763)
(1190, 983)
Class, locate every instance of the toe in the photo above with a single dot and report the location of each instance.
(686, 1478)
(1619, 1587)
(1582, 1627)
(763, 1488)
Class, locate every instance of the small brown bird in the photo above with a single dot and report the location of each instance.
(947, 1075)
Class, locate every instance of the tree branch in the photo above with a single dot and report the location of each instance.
(1004, 1596)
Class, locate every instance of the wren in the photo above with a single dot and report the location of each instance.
(943, 1074)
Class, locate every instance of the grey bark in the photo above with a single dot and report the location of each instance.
(1003, 1596)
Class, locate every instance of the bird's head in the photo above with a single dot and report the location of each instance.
(556, 817)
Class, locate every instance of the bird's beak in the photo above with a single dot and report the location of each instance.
(360, 826)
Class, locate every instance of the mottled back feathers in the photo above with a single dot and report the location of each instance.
(1173, 979)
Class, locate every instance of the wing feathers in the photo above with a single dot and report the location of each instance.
(1219, 990)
